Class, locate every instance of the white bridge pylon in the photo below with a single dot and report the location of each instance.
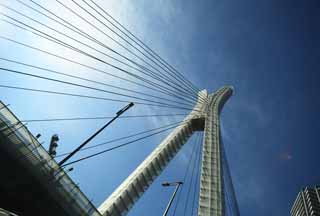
(204, 117)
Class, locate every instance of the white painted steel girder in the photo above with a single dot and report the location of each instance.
(124, 197)
(211, 197)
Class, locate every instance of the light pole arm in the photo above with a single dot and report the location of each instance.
(120, 112)
(171, 200)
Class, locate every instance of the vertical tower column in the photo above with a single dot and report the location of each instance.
(211, 197)
(204, 116)
(125, 196)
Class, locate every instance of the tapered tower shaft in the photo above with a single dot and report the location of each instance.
(204, 116)
(211, 198)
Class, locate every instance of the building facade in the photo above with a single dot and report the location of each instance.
(307, 202)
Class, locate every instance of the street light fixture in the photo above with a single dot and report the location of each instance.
(168, 184)
(118, 114)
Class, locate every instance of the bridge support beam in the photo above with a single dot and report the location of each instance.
(211, 197)
(204, 116)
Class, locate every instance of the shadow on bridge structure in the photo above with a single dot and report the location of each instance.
(34, 182)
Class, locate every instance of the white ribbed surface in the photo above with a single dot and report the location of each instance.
(124, 197)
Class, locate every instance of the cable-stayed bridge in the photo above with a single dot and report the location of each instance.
(94, 57)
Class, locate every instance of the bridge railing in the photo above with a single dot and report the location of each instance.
(28, 150)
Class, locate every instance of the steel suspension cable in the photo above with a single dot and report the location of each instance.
(117, 42)
(98, 29)
(186, 173)
(83, 86)
(87, 66)
(114, 140)
(88, 96)
(98, 118)
(43, 13)
(116, 147)
(53, 39)
(197, 176)
(197, 162)
(144, 46)
(196, 159)
(74, 28)
(84, 79)
(188, 87)
(129, 136)
(234, 208)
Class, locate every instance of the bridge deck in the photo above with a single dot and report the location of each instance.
(31, 182)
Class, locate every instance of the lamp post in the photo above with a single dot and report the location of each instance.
(168, 184)
(119, 113)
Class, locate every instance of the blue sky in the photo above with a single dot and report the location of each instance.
(268, 50)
